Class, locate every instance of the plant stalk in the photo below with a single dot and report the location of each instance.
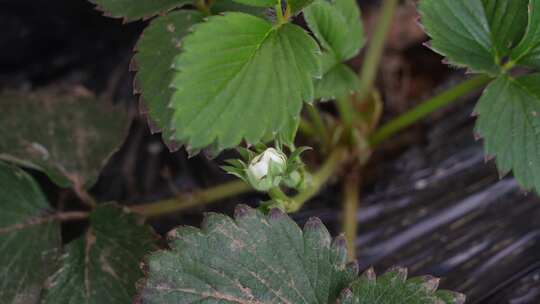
(427, 107)
(318, 124)
(187, 201)
(278, 195)
(346, 110)
(351, 196)
(375, 48)
(280, 18)
(319, 179)
(329, 167)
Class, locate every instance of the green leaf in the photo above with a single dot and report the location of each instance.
(131, 10)
(221, 6)
(65, 132)
(103, 265)
(507, 22)
(258, 3)
(337, 25)
(239, 78)
(251, 259)
(477, 34)
(156, 49)
(297, 5)
(509, 122)
(338, 28)
(528, 50)
(393, 287)
(288, 134)
(338, 81)
(29, 244)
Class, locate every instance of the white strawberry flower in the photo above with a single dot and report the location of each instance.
(260, 166)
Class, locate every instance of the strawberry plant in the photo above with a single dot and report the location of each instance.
(245, 75)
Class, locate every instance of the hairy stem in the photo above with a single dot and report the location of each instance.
(329, 167)
(230, 189)
(427, 107)
(319, 179)
(186, 201)
(327, 170)
(351, 198)
(375, 48)
(278, 195)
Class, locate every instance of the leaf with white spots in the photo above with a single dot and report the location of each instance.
(29, 244)
(65, 132)
(252, 258)
(393, 287)
(102, 266)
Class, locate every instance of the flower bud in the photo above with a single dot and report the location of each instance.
(266, 169)
(294, 180)
(260, 166)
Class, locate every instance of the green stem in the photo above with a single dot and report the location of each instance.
(278, 195)
(427, 107)
(318, 125)
(351, 197)
(375, 49)
(186, 201)
(280, 19)
(318, 179)
(214, 194)
(346, 111)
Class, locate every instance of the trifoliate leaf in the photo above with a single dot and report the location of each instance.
(528, 50)
(338, 81)
(338, 28)
(159, 44)
(103, 265)
(393, 287)
(65, 132)
(258, 3)
(251, 259)
(509, 122)
(29, 244)
(140, 9)
(474, 33)
(337, 25)
(240, 78)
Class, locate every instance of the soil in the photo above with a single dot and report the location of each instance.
(429, 202)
